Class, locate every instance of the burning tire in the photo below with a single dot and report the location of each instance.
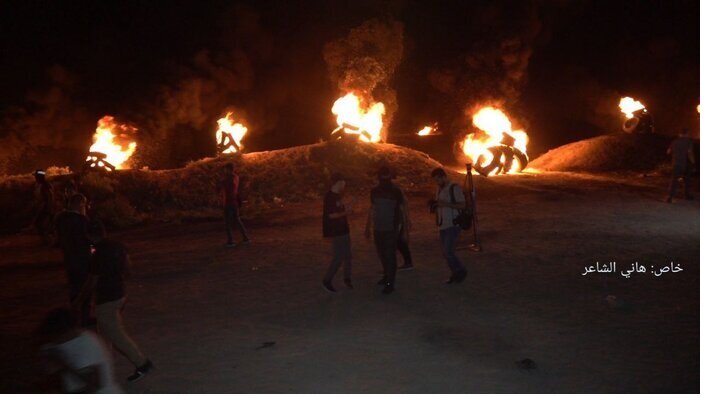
(641, 123)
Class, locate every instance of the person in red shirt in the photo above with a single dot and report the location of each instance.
(229, 189)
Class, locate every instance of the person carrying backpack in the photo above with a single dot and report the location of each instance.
(448, 204)
(387, 213)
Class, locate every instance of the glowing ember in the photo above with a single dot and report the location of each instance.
(229, 134)
(114, 141)
(354, 117)
(429, 130)
(494, 149)
(628, 106)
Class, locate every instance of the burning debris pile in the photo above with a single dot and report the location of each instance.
(113, 145)
(496, 148)
(229, 135)
(638, 119)
(355, 118)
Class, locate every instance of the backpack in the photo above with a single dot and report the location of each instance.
(465, 217)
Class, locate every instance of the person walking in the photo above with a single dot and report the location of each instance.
(72, 233)
(449, 200)
(682, 153)
(337, 230)
(229, 189)
(78, 356)
(387, 213)
(109, 268)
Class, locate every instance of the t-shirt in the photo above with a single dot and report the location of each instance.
(387, 200)
(446, 215)
(85, 350)
(230, 187)
(680, 149)
(71, 228)
(109, 265)
(334, 226)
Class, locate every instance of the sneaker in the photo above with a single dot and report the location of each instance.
(381, 282)
(668, 200)
(451, 279)
(231, 244)
(387, 289)
(348, 283)
(141, 372)
(405, 267)
(460, 276)
(328, 286)
(247, 241)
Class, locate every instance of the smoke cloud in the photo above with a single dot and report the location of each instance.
(364, 62)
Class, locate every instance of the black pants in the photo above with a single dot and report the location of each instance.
(402, 246)
(232, 216)
(677, 173)
(76, 281)
(386, 242)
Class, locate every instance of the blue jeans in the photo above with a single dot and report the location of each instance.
(448, 238)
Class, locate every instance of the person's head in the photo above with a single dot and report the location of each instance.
(337, 183)
(229, 168)
(96, 231)
(440, 176)
(39, 175)
(385, 174)
(77, 203)
(57, 324)
(684, 132)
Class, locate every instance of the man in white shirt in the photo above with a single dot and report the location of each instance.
(448, 201)
(78, 355)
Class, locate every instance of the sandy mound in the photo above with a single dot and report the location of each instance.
(607, 153)
(270, 179)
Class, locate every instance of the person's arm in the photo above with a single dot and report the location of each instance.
(406, 213)
(127, 264)
(86, 290)
(368, 226)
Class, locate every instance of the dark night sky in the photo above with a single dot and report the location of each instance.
(122, 55)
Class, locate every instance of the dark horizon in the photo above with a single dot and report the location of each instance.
(66, 64)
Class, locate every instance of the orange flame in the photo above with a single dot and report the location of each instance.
(496, 130)
(428, 130)
(230, 134)
(355, 118)
(628, 106)
(115, 141)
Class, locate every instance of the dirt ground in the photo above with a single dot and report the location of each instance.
(201, 312)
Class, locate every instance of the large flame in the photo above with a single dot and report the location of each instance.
(354, 117)
(496, 130)
(115, 141)
(230, 134)
(628, 106)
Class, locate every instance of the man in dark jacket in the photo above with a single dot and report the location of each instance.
(682, 153)
(109, 268)
(72, 231)
(337, 230)
(387, 213)
(229, 190)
